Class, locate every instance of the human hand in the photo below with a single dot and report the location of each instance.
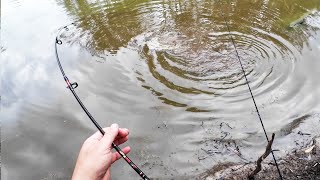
(96, 157)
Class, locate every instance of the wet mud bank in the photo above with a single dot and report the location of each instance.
(302, 163)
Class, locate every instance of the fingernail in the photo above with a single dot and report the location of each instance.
(126, 130)
(115, 126)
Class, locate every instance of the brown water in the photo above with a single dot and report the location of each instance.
(164, 69)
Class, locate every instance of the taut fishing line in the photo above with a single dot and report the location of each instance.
(247, 82)
(74, 85)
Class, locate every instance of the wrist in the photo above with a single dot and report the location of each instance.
(83, 174)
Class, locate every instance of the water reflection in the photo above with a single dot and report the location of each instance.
(101, 28)
(187, 48)
(168, 73)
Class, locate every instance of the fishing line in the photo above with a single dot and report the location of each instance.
(247, 82)
(74, 85)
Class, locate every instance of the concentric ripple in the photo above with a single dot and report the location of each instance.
(210, 66)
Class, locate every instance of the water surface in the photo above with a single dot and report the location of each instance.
(166, 70)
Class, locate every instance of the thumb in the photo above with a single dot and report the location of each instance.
(110, 135)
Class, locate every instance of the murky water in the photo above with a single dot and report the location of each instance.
(166, 70)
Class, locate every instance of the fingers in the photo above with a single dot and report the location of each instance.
(119, 141)
(116, 156)
(121, 136)
(123, 132)
(110, 135)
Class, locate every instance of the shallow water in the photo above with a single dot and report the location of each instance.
(166, 70)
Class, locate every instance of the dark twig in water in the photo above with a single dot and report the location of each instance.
(225, 135)
(304, 134)
(261, 158)
(221, 124)
(209, 153)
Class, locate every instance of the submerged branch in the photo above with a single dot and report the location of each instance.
(261, 158)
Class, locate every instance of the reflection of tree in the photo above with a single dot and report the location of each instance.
(274, 16)
(108, 25)
(111, 24)
(195, 18)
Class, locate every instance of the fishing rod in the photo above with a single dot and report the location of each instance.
(72, 86)
(249, 87)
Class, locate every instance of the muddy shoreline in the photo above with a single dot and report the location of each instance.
(302, 163)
